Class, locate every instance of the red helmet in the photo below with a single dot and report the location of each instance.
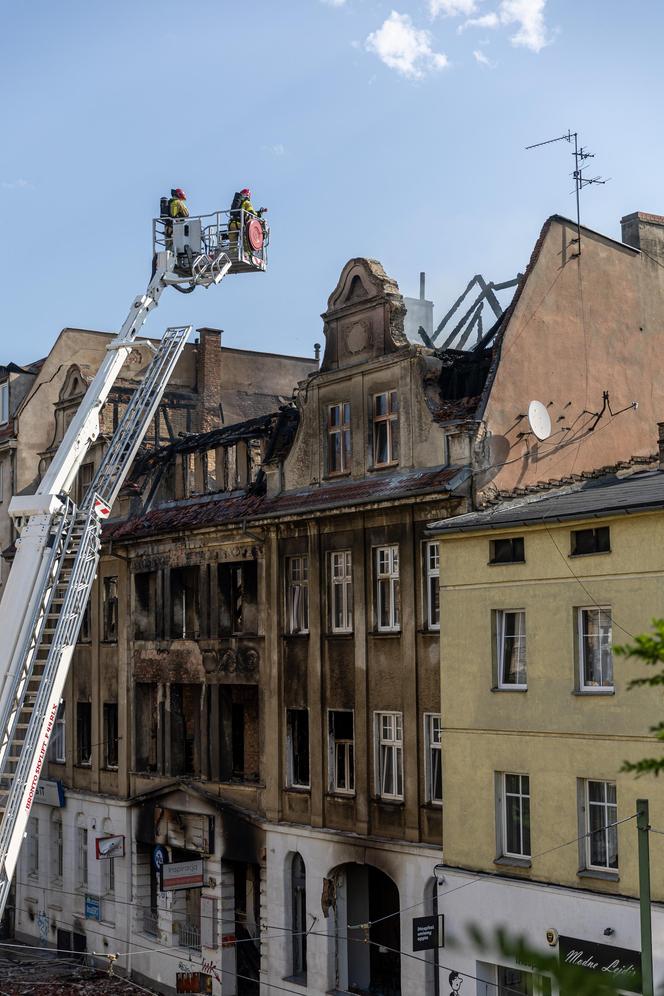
(180, 194)
(246, 192)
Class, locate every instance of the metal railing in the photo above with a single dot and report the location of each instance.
(221, 232)
(188, 935)
(151, 923)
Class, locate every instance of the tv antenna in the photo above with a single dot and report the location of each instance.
(580, 154)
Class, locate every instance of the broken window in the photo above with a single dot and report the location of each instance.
(110, 610)
(145, 587)
(238, 598)
(145, 731)
(84, 733)
(385, 428)
(297, 733)
(297, 594)
(110, 734)
(184, 603)
(239, 729)
(338, 438)
(185, 728)
(341, 762)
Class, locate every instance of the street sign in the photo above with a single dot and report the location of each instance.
(428, 932)
(92, 908)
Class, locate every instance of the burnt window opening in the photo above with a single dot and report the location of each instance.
(239, 733)
(585, 541)
(145, 604)
(463, 375)
(110, 611)
(238, 598)
(146, 725)
(185, 603)
(84, 733)
(85, 632)
(507, 551)
(297, 735)
(83, 481)
(110, 734)
(185, 729)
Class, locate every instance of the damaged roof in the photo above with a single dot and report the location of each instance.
(224, 508)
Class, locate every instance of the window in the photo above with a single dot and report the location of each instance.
(110, 610)
(110, 734)
(511, 646)
(385, 428)
(389, 735)
(387, 588)
(83, 481)
(341, 591)
(341, 760)
(4, 403)
(297, 594)
(83, 733)
(595, 653)
(184, 603)
(81, 857)
(299, 918)
(57, 745)
(85, 632)
(601, 806)
(433, 759)
(145, 589)
(57, 849)
(586, 541)
(516, 816)
(33, 846)
(297, 731)
(238, 598)
(338, 439)
(2, 482)
(432, 570)
(109, 876)
(507, 551)
(515, 980)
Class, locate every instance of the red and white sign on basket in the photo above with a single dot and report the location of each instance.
(102, 508)
(182, 875)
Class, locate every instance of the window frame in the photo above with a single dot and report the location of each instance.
(395, 746)
(4, 402)
(493, 560)
(82, 858)
(433, 746)
(110, 608)
(393, 579)
(501, 683)
(349, 761)
(58, 849)
(58, 736)
(290, 754)
(521, 795)
(583, 686)
(83, 707)
(391, 419)
(432, 577)
(301, 584)
(343, 581)
(605, 805)
(596, 531)
(342, 429)
(109, 764)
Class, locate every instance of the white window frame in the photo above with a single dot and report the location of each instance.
(33, 847)
(342, 429)
(4, 402)
(520, 636)
(604, 688)
(391, 420)
(389, 742)
(348, 751)
(432, 576)
(433, 754)
(297, 594)
(610, 816)
(387, 580)
(58, 744)
(340, 568)
(81, 857)
(521, 795)
(58, 852)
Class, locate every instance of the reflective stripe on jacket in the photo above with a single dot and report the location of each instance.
(177, 208)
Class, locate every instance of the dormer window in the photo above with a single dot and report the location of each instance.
(338, 438)
(385, 428)
(4, 403)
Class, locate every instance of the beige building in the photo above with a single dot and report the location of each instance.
(538, 718)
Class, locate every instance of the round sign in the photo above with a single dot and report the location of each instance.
(255, 234)
(159, 857)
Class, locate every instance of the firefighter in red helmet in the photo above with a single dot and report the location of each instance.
(176, 205)
(242, 202)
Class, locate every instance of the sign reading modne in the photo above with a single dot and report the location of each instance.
(182, 875)
(603, 958)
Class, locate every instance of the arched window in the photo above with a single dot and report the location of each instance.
(299, 917)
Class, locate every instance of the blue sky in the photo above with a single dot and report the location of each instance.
(394, 130)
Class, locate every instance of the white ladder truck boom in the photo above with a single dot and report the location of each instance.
(57, 551)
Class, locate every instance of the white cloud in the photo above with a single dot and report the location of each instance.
(402, 46)
(483, 59)
(275, 150)
(19, 184)
(529, 16)
(334, 3)
(485, 21)
(452, 8)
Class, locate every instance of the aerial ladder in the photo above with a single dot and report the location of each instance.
(58, 545)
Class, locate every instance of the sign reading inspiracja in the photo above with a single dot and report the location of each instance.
(182, 875)
(603, 958)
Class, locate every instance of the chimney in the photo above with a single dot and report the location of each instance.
(209, 378)
(660, 428)
(645, 232)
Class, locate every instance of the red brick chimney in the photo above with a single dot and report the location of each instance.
(209, 378)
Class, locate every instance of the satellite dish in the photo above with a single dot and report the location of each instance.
(539, 419)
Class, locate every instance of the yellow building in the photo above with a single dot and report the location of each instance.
(538, 720)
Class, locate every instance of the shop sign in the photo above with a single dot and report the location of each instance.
(110, 847)
(428, 932)
(603, 958)
(50, 793)
(193, 982)
(159, 857)
(182, 875)
(92, 908)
